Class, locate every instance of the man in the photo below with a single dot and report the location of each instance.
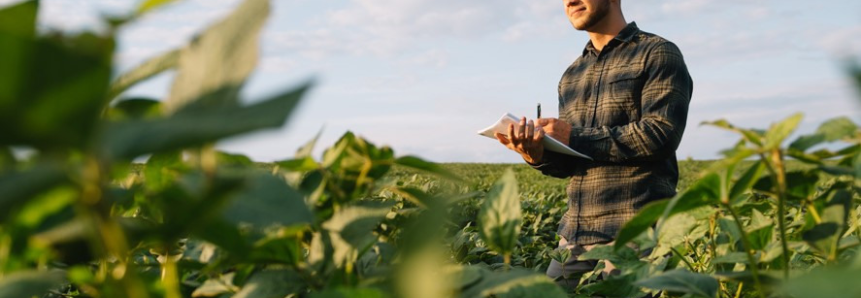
(623, 102)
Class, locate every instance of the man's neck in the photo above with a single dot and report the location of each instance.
(603, 32)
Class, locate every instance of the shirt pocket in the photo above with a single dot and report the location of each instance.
(620, 104)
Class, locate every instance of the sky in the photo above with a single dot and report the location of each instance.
(423, 76)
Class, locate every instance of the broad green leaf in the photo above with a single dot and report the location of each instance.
(268, 200)
(19, 19)
(422, 165)
(645, 218)
(832, 130)
(214, 287)
(308, 148)
(825, 237)
(7, 158)
(134, 108)
(127, 140)
(30, 283)
(731, 258)
(623, 258)
(17, 28)
(683, 281)
(351, 229)
(302, 164)
(746, 181)
(675, 231)
(349, 293)
(500, 216)
(800, 184)
(834, 282)
(144, 71)
(224, 235)
(18, 187)
(162, 169)
(147, 5)
(233, 159)
(272, 284)
(213, 68)
(419, 197)
(781, 130)
(513, 283)
(750, 135)
(759, 230)
(621, 286)
(282, 250)
(52, 91)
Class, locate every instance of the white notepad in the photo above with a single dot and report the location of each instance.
(501, 126)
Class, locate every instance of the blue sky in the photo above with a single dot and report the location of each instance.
(422, 76)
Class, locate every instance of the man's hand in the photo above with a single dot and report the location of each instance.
(557, 129)
(524, 139)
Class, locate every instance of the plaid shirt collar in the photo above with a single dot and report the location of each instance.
(625, 35)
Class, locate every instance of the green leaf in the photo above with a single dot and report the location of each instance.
(216, 286)
(52, 91)
(746, 181)
(422, 165)
(750, 135)
(781, 130)
(213, 68)
(645, 218)
(282, 250)
(702, 193)
(825, 236)
(30, 283)
(162, 170)
(622, 258)
(500, 216)
(683, 281)
(7, 158)
(351, 229)
(800, 184)
(144, 71)
(127, 140)
(830, 131)
(349, 293)
(271, 284)
(18, 187)
(301, 164)
(833, 282)
(224, 235)
(134, 108)
(233, 159)
(19, 19)
(148, 5)
(268, 200)
(514, 283)
(419, 197)
(308, 148)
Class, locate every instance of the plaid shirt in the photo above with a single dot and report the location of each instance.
(627, 106)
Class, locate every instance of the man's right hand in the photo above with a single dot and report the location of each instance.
(524, 140)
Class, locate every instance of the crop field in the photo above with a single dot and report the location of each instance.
(778, 215)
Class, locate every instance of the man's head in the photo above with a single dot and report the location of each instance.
(590, 14)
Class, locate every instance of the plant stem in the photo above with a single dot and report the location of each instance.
(738, 292)
(777, 159)
(675, 251)
(170, 275)
(754, 269)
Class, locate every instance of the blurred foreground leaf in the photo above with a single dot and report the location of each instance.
(683, 281)
(30, 283)
(500, 217)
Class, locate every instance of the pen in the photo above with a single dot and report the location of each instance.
(539, 111)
